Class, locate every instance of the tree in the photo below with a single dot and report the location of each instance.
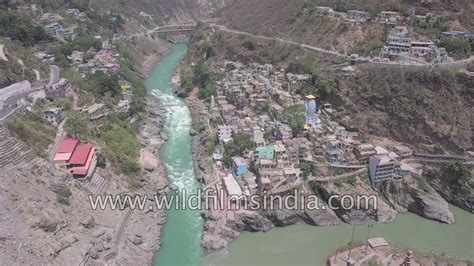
(102, 84)
(236, 147)
(307, 169)
(325, 87)
(294, 116)
(77, 125)
(456, 46)
(459, 172)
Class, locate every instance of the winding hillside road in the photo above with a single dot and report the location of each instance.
(447, 65)
(54, 75)
(309, 47)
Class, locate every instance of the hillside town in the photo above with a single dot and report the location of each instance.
(250, 107)
(145, 100)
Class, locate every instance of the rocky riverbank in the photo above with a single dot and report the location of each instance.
(146, 226)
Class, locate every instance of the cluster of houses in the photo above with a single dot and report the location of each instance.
(81, 16)
(78, 158)
(400, 44)
(52, 25)
(105, 60)
(251, 99)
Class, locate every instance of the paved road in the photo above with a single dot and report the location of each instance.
(11, 95)
(309, 47)
(449, 65)
(53, 75)
(2, 53)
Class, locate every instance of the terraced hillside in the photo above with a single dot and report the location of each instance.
(14, 153)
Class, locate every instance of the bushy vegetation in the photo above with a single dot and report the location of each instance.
(63, 193)
(130, 74)
(430, 29)
(206, 80)
(302, 67)
(456, 46)
(236, 147)
(424, 185)
(34, 130)
(307, 169)
(77, 125)
(81, 43)
(20, 27)
(459, 172)
(352, 180)
(122, 148)
(295, 118)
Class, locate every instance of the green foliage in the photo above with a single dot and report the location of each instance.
(374, 263)
(250, 45)
(121, 147)
(102, 84)
(294, 116)
(438, 149)
(63, 193)
(186, 82)
(302, 67)
(206, 80)
(34, 130)
(338, 183)
(456, 46)
(101, 160)
(130, 74)
(236, 147)
(352, 180)
(307, 169)
(77, 125)
(430, 29)
(207, 48)
(20, 27)
(82, 44)
(459, 172)
(423, 185)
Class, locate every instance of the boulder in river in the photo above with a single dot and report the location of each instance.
(407, 194)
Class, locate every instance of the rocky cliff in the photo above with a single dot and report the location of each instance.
(454, 182)
(406, 195)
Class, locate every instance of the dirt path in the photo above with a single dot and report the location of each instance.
(37, 73)
(2, 53)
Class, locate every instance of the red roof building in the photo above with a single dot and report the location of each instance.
(82, 171)
(80, 155)
(77, 157)
(67, 145)
(65, 150)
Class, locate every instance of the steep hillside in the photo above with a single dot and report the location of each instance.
(417, 106)
(162, 11)
(296, 20)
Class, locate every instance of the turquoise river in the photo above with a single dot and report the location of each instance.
(293, 245)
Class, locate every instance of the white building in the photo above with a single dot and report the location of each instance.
(224, 133)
